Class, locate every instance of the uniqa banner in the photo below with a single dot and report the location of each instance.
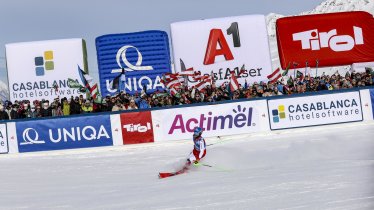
(3, 139)
(315, 110)
(215, 120)
(41, 70)
(218, 46)
(142, 58)
(64, 133)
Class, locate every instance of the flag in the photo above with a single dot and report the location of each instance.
(242, 70)
(187, 72)
(290, 81)
(73, 83)
(55, 86)
(300, 75)
(287, 68)
(234, 84)
(273, 77)
(89, 83)
(202, 84)
(117, 80)
(347, 74)
(171, 80)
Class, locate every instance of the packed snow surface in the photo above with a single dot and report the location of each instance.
(329, 167)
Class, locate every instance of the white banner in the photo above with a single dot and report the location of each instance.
(222, 45)
(40, 70)
(3, 139)
(216, 120)
(315, 110)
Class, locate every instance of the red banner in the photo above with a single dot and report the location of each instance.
(137, 127)
(332, 39)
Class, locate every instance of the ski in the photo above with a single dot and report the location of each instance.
(162, 175)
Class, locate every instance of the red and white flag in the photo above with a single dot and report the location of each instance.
(273, 77)
(187, 72)
(202, 84)
(234, 84)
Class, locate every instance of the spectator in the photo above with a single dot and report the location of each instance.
(14, 112)
(75, 108)
(66, 107)
(132, 105)
(3, 114)
(56, 109)
(87, 107)
(118, 106)
(142, 102)
(46, 111)
(33, 113)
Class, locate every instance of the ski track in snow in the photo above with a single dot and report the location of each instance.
(329, 167)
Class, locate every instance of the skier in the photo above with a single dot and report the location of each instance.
(199, 150)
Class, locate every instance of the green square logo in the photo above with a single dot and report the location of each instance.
(49, 65)
(282, 115)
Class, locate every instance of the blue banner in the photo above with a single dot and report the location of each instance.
(64, 133)
(132, 61)
(372, 100)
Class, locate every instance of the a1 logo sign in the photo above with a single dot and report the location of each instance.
(216, 37)
(315, 41)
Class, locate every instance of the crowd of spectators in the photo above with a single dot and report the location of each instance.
(211, 93)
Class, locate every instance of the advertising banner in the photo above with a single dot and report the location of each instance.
(64, 133)
(137, 127)
(315, 110)
(372, 100)
(320, 41)
(41, 70)
(3, 139)
(216, 120)
(140, 57)
(218, 46)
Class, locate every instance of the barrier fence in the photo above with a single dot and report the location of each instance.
(177, 123)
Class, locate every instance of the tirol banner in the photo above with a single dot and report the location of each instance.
(215, 120)
(133, 61)
(137, 127)
(3, 139)
(315, 110)
(317, 40)
(42, 69)
(218, 46)
(64, 133)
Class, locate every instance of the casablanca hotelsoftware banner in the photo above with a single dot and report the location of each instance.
(40, 70)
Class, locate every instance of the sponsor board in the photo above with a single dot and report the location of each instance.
(3, 139)
(64, 133)
(142, 56)
(137, 127)
(318, 40)
(216, 120)
(315, 110)
(41, 69)
(218, 46)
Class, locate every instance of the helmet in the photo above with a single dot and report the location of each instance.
(197, 131)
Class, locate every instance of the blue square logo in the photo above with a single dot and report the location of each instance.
(275, 112)
(39, 71)
(39, 61)
(276, 119)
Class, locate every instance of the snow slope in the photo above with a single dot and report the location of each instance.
(328, 6)
(329, 167)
